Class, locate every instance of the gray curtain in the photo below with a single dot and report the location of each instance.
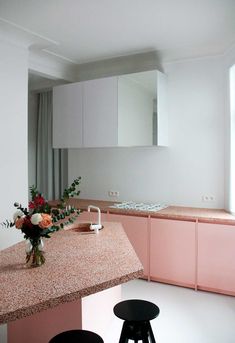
(155, 137)
(52, 164)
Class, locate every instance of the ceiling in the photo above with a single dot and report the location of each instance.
(81, 31)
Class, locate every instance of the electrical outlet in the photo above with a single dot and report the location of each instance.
(113, 193)
(208, 198)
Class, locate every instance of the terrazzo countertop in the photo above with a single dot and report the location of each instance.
(76, 265)
(203, 215)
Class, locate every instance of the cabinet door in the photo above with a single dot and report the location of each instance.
(136, 229)
(172, 252)
(100, 121)
(135, 110)
(67, 116)
(216, 258)
(162, 111)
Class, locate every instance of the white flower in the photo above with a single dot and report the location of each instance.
(17, 214)
(36, 218)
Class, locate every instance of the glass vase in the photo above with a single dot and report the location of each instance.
(34, 253)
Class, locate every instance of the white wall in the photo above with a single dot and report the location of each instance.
(13, 140)
(196, 132)
(192, 165)
(229, 61)
(13, 137)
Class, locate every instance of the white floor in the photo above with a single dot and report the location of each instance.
(186, 316)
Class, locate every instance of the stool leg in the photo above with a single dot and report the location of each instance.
(150, 331)
(145, 336)
(123, 337)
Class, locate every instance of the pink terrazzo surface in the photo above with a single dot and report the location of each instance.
(203, 215)
(76, 265)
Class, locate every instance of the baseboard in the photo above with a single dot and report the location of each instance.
(216, 290)
(172, 282)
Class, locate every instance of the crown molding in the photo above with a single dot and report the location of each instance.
(24, 37)
(51, 67)
(41, 59)
(120, 65)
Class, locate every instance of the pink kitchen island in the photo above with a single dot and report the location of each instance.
(77, 287)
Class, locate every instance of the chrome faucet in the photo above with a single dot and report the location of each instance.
(97, 226)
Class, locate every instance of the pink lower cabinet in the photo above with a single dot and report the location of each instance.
(173, 252)
(216, 258)
(136, 229)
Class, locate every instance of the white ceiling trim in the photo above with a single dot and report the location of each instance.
(23, 36)
(51, 67)
(63, 58)
(41, 60)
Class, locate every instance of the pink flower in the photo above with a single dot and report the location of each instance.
(46, 221)
(19, 223)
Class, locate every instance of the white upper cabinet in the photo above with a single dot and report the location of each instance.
(67, 116)
(126, 110)
(142, 110)
(162, 112)
(135, 112)
(100, 119)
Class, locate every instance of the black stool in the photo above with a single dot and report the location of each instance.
(136, 315)
(77, 336)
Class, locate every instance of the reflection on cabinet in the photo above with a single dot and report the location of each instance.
(142, 109)
(126, 110)
(136, 229)
(172, 252)
(216, 258)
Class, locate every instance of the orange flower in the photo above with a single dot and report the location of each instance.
(19, 222)
(46, 221)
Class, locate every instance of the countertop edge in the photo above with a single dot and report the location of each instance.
(23, 313)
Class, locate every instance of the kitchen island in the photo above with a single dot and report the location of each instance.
(76, 287)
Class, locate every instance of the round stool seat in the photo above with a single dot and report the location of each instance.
(77, 336)
(136, 315)
(136, 310)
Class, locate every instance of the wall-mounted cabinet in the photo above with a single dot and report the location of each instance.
(67, 116)
(100, 112)
(142, 109)
(126, 110)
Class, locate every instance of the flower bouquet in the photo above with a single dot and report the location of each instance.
(40, 220)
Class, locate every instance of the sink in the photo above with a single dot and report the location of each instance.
(85, 228)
